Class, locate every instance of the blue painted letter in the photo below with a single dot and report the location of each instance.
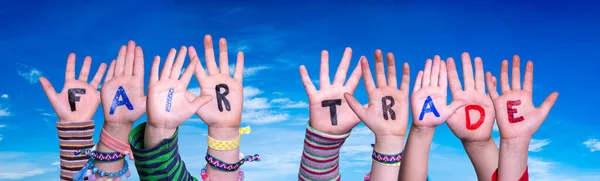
(116, 102)
(428, 106)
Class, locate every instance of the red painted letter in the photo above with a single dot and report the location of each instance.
(511, 111)
(481, 116)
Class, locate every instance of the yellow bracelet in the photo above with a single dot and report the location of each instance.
(227, 145)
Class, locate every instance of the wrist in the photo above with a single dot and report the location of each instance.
(224, 133)
(118, 130)
(154, 135)
(479, 143)
(389, 144)
(515, 144)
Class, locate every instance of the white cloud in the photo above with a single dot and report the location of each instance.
(250, 91)
(541, 170)
(1, 137)
(361, 130)
(249, 71)
(287, 103)
(256, 103)
(30, 74)
(195, 91)
(26, 166)
(277, 93)
(4, 112)
(55, 163)
(263, 117)
(536, 145)
(4, 96)
(2, 125)
(593, 144)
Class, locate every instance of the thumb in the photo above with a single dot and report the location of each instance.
(200, 101)
(48, 89)
(358, 108)
(548, 103)
(455, 105)
(189, 96)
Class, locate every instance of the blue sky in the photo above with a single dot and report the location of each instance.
(277, 36)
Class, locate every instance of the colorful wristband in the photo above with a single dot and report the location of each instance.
(385, 159)
(90, 171)
(115, 144)
(227, 145)
(205, 176)
(229, 167)
(100, 156)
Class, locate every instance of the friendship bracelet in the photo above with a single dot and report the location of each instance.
(101, 156)
(368, 177)
(388, 160)
(227, 145)
(229, 167)
(115, 144)
(205, 176)
(90, 171)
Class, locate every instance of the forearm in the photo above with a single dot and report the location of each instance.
(416, 154)
(389, 145)
(484, 157)
(513, 158)
(228, 156)
(320, 157)
(74, 136)
(121, 133)
(160, 161)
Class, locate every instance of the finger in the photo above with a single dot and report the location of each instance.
(354, 77)
(391, 68)
(209, 55)
(504, 77)
(200, 73)
(98, 77)
(358, 108)
(491, 86)
(528, 81)
(187, 74)
(138, 63)
(479, 75)
(435, 71)
(48, 89)
(379, 69)
(154, 71)
(405, 77)
(176, 70)
(223, 59)
(120, 64)
(455, 105)
(129, 58)
(443, 76)
(111, 71)
(340, 74)
(366, 72)
(427, 73)
(467, 71)
(548, 103)
(308, 85)
(324, 81)
(200, 101)
(167, 66)
(190, 97)
(516, 73)
(455, 86)
(85, 69)
(239, 67)
(70, 71)
(418, 81)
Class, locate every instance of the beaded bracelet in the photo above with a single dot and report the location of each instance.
(101, 156)
(388, 160)
(229, 167)
(90, 171)
(205, 176)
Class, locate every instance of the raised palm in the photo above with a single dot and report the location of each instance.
(429, 101)
(84, 107)
(527, 118)
(230, 112)
(167, 104)
(330, 95)
(475, 97)
(391, 122)
(126, 72)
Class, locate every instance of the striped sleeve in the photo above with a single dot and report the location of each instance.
(320, 157)
(159, 163)
(73, 136)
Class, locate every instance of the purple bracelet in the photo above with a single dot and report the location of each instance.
(229, 167)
